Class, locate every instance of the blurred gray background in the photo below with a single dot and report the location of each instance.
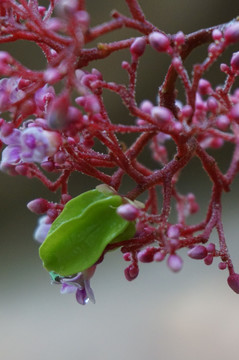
(160, 315)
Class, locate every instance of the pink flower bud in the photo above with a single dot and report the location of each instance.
(222, 122)
(38, 206)
(179, 38)
(231, 34)
(216, 143)
(131, 272)
(193, 205)
(211, 248)
(60, 157)
(208, 259)
(212, 104)
(235, 61)
(175, 262)
(222, 266)
(233, 282)
(159, 42)
(41, 10)
(234, 113)
(198, 252)
(146, 255)
(90, 103)
(5, 57)
(213, 49)
(127, 256)
(22, 169)
(225, 68)
(48, 166)
(186, 111)
(204, 87)
(138, 46)
(52, 214)
(125, 65)
(159, 256)
(67, 8)
(162, 114)
(65, 198)
(173, 231)
(128, 212)
(51, 76)
(146, 106)
(82, 18)
(216, 35)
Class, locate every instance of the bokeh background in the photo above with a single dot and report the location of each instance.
(160, 315)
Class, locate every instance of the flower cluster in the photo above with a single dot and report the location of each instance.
(50, 130)
(32, 144)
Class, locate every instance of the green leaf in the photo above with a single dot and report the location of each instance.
(78, 237)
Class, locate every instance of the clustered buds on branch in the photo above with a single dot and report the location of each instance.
(55, 131)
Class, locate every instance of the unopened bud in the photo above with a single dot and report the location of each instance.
(83, 19)
(179, 38)
(198, 252)
(38, 206)
(65, 198)
(216, 35)
(162, 114)
(22, 169)
(48, 166)
(138, 46)
(231, 34)
(193, 205)
(212, 104)
(127, 256)
(204, 87)
(159, 42)
(66, 8)
(233, 282)
(175, 262)
(186, 111)
(208, 260)
(235, 61)
(173, 231)
(128, 212)
(131, 272)
(222, 266)
(146, 255)
(146, 106)
(222, 122)
(90, 103)
(211, 248)
(159, 256)
(234, 113)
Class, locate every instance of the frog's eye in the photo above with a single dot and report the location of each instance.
(78, 237)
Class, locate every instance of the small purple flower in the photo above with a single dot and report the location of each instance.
(43, 97)
(33, 144)
(12, 139)
(80, 284)
(42, 229)
(10, 157)
(9, 92)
